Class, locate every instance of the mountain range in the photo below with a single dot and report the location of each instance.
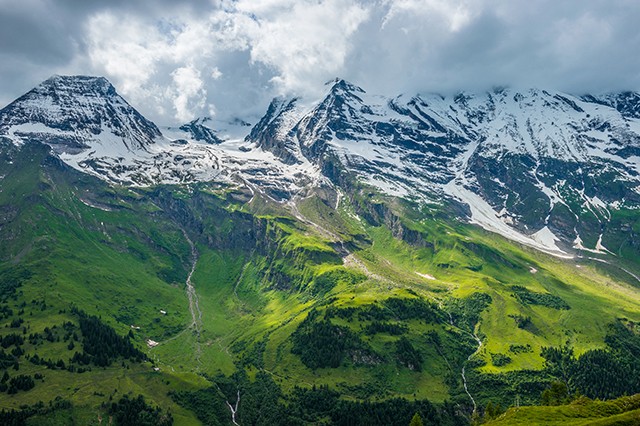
(422, 247)
(543, 168)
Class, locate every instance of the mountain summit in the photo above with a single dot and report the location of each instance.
(542, 167)
(76, 113)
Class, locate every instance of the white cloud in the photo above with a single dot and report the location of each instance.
(190, 93)
(153, 61)
(292, 47)
(216, 73)
(181, 58)
(304, 41)
(452, 14)
(125, 51)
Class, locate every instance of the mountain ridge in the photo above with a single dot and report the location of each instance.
(403, 146)
(515, 158)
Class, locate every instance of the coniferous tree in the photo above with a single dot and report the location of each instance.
(416, 420)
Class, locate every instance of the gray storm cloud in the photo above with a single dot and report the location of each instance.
(176, 60)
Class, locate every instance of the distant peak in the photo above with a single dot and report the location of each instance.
(339, 84)
(77, 78)
(77, 113)
(201, 132)
(498, 90)
(199, 121)
(626, 102)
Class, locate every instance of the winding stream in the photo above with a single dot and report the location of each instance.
(477, 339)
(194, 307)
(464, 377)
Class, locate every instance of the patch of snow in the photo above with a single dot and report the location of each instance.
(388, 187)
(409, 147)
(547, 238)
(88, 204)
(426, 276)
(483, 214)
(599, 248)
(577, 243)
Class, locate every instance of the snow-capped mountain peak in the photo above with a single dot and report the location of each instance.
(93, 129)
(274, 132)
(340, 85)
(199, 130)
(78, 113)
(537, 166)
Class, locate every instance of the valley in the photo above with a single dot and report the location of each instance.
(301, 280)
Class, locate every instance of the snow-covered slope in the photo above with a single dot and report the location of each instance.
(93, 129)
(274, 130)
(541, 167)
(544, 168)
(199, 130)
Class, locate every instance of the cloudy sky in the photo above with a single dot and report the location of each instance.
(176, 60)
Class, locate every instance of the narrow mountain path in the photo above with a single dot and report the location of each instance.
(348, 258)
(194, 307)
(637, 278)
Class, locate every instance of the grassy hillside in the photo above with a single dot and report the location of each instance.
(351, 307)
(583, 412)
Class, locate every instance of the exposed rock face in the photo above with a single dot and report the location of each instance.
(93, 129)
(274, 132)
(542, 167)
(199, 131)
